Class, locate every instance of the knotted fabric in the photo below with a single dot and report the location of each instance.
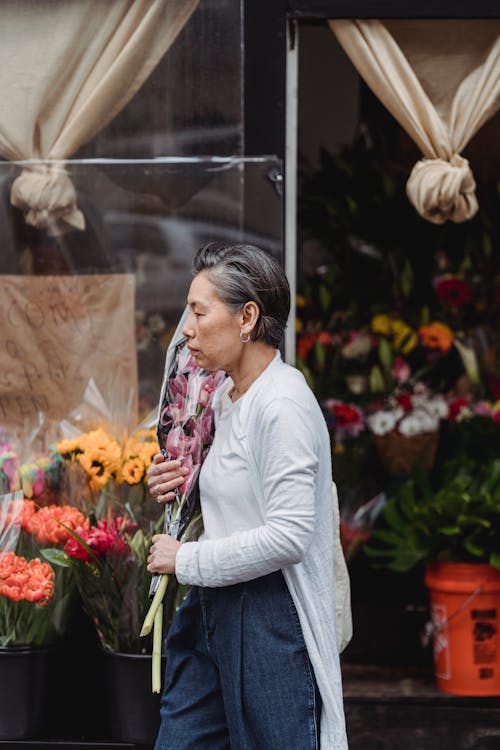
(66, 70)
(47, 198)
(443, 190)
(441, 89)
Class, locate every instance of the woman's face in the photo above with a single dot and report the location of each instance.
(212, 329)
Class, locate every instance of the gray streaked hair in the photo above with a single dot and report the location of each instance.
(245, 273)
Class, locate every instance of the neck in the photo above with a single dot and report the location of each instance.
(255, 360)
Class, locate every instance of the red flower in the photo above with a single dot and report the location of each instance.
(405, 402)
(456, 406)
(452, 290)
(305, 344)
(103, 539)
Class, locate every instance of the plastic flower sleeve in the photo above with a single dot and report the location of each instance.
(185, 431)
(11, 511)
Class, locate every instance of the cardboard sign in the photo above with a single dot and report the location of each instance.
(58, 334)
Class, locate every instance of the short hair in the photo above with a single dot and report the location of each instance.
(244, 273)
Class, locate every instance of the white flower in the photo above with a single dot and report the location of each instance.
(464, 414)
(438, 407)
(359, 346)
(383, 421)
(417, 422)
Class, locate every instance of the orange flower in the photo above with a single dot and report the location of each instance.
(20, 579)
(40, 587)
(20, 513)
(46, 525)
(133, 471)
(436, 336)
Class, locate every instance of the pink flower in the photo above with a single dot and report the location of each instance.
(178, 386)
(179, 444)
(9, 464)
(400, 370)
(205, 425)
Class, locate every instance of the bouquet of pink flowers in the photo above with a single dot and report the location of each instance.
(185, 431)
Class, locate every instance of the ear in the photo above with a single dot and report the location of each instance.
(250, 314)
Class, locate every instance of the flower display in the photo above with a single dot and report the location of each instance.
(346, 420)
(26, 590)
(409, 412)
(107, 557)
(38, 479)
(102, 471)
(98, 454)
(36, 601)
(52, 524)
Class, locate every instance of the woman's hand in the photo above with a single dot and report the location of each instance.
(164, 476)
(161, 558)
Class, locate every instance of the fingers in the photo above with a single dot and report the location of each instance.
(164, 478)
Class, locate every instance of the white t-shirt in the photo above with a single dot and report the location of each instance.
(278, 437)
(227, 500)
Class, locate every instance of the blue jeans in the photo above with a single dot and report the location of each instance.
(238, 674)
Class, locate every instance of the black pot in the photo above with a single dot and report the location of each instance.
(23, 681)
(134, 711)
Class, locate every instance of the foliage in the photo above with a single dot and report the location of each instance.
(458, 520)
(109, 563)
(387, 300)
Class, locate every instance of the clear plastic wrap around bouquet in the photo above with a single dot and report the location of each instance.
(36, 598)
(185, 431)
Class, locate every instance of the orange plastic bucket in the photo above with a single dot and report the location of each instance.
(464, 603)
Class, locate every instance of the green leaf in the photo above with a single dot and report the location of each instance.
(495, 559)
(385, 535)
(57, 557)
(377, 383)
(325, 297)
(393, 517)
(407, 279)
(487, 245)
(377, 551)
(449, 530)
(385, 353)
(474, 549)
(320, 354)
(425, 316)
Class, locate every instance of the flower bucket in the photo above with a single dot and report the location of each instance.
(399, 453)
(23, 685)
(465, 615)
(134, 711)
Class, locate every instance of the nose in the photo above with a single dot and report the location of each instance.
(187, 328)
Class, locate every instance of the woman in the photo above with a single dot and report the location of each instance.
(252, 658)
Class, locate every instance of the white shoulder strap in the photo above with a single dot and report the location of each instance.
(343, 612)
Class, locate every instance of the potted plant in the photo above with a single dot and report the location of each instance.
(36, 603)
(450, 525)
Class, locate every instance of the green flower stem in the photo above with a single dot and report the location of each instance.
(156, 655)
(157, 600)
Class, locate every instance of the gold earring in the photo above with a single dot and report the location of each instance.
(244, 339)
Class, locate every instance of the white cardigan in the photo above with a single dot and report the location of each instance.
(287, 443)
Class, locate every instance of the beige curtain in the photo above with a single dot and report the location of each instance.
(67, 67)
(441, 81)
